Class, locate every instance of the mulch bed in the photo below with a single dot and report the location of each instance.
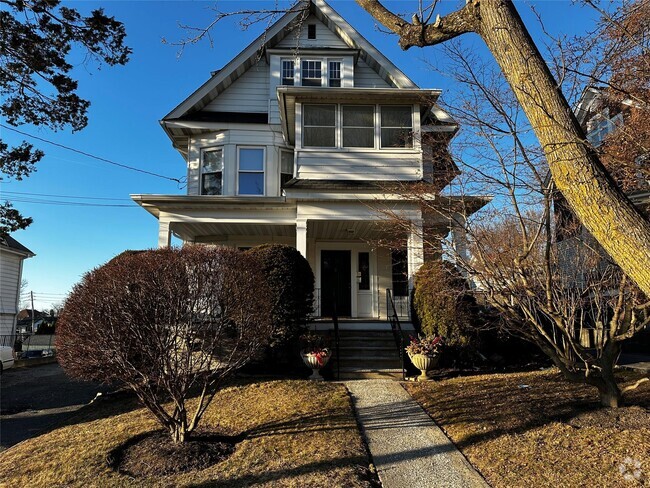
(155, 454)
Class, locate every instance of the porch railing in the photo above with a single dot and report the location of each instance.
(396, 327)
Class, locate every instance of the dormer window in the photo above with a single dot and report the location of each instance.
(334, 73)
(311, 73)
(288, 72)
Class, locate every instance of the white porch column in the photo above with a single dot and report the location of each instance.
(415, 250)
(164, 233)
(301, 237)
(459, 239)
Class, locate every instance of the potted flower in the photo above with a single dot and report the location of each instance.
(314, 354)
(424, 353)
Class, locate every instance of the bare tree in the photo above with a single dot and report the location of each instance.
(570, 299)
(168, 324)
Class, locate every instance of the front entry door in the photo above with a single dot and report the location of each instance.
(335, 283)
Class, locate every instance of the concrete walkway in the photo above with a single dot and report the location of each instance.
(408, 449)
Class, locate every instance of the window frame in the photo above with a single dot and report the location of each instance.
(329, 72)
(373, 127)
(336, 125)
(381, 127)
(239, 171)
(282, 77)
(338, 130)
(203, 173)
(293, 164)
(322, 62)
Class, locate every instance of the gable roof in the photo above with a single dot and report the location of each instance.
(8, 243)
(223, 78)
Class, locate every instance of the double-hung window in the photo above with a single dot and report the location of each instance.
(286, 166)
(319, 127)
(211, 171)
(334, 73)
(358, 126)
(311, 73)
(251, 171)
(396, 126)
(288, 72)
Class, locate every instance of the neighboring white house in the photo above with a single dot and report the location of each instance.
(296, 141)
(12, 254)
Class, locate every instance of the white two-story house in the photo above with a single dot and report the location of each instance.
(297, 141)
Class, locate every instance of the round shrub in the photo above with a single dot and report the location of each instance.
(442, 303)
(291, 282)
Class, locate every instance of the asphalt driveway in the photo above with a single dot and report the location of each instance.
(35, 400)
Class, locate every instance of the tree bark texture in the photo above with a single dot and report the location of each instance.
(600, 205)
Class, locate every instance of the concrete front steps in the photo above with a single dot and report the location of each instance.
(367, 354)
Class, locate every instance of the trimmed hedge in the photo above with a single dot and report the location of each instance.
(291, 282)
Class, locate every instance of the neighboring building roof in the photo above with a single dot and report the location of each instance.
(9, 243)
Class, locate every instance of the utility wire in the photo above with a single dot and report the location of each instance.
(99, 158)
(64, 196)
(72, 204)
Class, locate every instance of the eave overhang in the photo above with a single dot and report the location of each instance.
(289, 95)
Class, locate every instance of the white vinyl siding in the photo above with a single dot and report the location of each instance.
(359, 165)
(9, 281)
(366, 77)
(249, 93)
(324, 37)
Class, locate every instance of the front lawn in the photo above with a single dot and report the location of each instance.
(537, 430)
(297, 433)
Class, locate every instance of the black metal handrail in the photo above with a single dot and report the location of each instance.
(396, 327)
(335, 320)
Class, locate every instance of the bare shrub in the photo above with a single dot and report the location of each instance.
(167, 323)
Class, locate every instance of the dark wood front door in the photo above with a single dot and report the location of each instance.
(335, 283)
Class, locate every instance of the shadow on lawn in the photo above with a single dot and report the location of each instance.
(507, 406)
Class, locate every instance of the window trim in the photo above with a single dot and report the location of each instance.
(239, 170)
(282, 78)
(412, 146)
(338, 132)
(336, 126)
(323, 71)
(203, 150)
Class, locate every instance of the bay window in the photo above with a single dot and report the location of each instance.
(319, 126)
(211, 171)
(357, 126)
(396, 126)
(250, 162)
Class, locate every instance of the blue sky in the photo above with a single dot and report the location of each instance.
(126, 105)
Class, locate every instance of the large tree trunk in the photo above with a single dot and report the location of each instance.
(578, 173)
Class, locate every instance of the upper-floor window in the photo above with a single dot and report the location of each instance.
(250, 162)
(601, 125)
(211, 171)
(288, 72)
(334, 73)
(396, 126)
(286, 166)
(311, 73)
(358, 126)
(311, 31)
(319, 126)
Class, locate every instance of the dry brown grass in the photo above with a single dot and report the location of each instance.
(299, 433)
(550, 434)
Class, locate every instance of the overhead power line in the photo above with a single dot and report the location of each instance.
(64, 196)
(72, 204)
(99, 158)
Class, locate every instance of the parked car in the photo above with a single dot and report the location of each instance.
(7, 357)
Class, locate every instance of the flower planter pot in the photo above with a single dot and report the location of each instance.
(311, 361)
(425, 364)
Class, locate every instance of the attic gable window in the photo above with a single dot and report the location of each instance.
(311, 31)
(311, 73)
(211, 171)
(288, 72)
